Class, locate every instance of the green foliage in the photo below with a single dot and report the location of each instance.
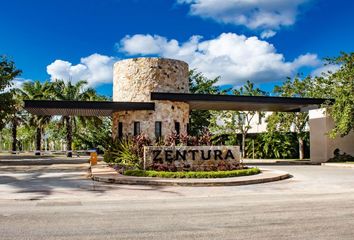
(66, 90)
(225, 139)
(126, 156)
(292, 121)
(55, 134)
(272, 145)
(127, 152)
(184, 139)
(37, 91)
(24, 137)
(8, 72)
(85, 132)
(340, 86)
(341, 157)
(17, 118)
(233, 122)
(121, 153)
(211, 174)
(90, 134)
(198, 83)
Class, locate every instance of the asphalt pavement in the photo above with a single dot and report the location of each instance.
(58, 201)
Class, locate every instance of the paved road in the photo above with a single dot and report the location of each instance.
(58, 202)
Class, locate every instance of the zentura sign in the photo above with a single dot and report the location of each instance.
(191, 154)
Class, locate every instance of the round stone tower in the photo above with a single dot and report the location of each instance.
(134, 80)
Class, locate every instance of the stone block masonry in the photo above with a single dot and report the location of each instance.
(135, 79)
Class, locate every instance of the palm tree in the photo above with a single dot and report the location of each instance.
(38, 91)
(18, 117)
(66, 90)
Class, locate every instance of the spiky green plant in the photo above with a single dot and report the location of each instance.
(122, 152)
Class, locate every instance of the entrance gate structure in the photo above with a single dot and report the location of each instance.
(151, 96)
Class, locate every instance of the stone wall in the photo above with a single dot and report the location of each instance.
(134, 80)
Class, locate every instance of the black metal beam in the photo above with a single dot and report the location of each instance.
(83, 108)
(242, 103)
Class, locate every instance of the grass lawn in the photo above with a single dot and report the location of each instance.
(211, 174)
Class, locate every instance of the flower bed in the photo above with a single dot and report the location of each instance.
(210, 174)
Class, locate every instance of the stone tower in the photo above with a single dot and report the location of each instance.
(134, 80)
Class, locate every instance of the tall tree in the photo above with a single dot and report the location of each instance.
(8, 72)
(17, 117)
(198, 83)
(38, 91)
(66, 90)
(236, 122)
(92, 133)
(340, 86)
(292, 121)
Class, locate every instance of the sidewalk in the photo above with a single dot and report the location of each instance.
(342, 165)
(278, 162)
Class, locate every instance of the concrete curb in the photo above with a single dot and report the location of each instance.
(340, 165)
(278, 162)
(26, 162)
(106, 174)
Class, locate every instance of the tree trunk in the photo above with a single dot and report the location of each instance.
(14, 136)
(38, 141)
(69, 137)
(243, 144)
(301, 148)
(0, 141)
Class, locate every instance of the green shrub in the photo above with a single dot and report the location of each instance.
(122, 152)
(212, 174)
(272, 145)
(128, 152)
(341, 157)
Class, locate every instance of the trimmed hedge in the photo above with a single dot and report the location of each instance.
(211, 174)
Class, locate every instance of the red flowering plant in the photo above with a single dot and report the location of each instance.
(138, 143)
(128, 153)
(184, 138)
(171, 139)
(170, 167)
(205, 138)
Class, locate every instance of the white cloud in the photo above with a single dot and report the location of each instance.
(16, 83)
(307, 59)
(147, 44)
(253, 14)
(235, 58)
(325, 69)
(96, 69)
(268, 34)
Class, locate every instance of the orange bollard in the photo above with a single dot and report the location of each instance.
(93, 158)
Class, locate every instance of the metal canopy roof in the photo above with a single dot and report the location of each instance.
(241, 103)
(195, 101)
(83, 108)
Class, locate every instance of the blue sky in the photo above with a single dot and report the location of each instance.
(81, 39)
